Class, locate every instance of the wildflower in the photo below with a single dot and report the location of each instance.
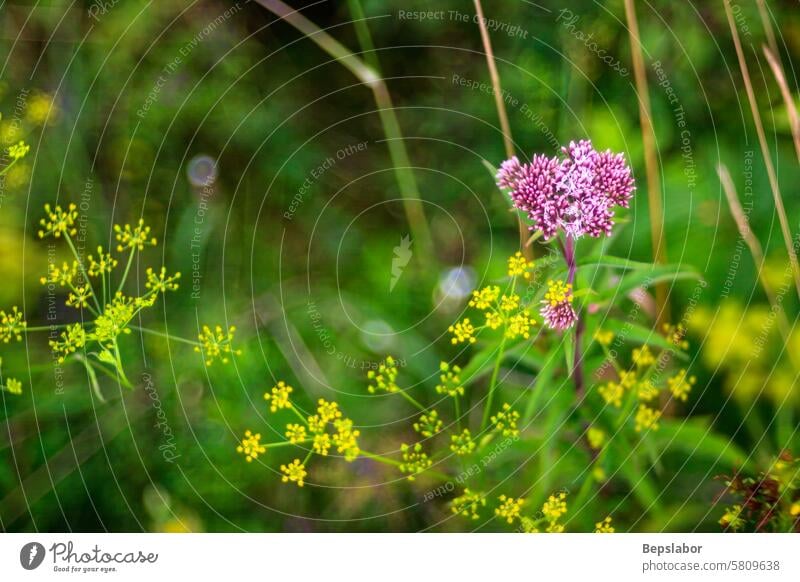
(506, 421)
(385, 377)
(450, 381)
(604, 526)
(279, 397)
(63, 275)
(463, 331)
(216, 344)
(509, 302)
(13, 386)
(528, 525)
(646, 418)
(72, 339)
(328, 411)
(136, 237)
(643, 357)
(415, 461)
(294, 472)
(575, 194)
(557, 309)
(596, 437)
(115, 319)
(675, 335)
(58, 221)
(18, 151)
(519, 325)
(321, 443)
(160, 282)
(555, 507)
(41, 109)
(346, 438)
(104, 263)
(612, 393)
(732, 519)
(494, 319)
(509, 508)
(429, 424)
(462, 444)
(646, 391)
(680, 385)
(794, 510)
(519, 265)
(599, 474)
(296, 433)
(12, 325)
(468, 504)
(604, 338)
(251, 446)
(485, 298)
(80, 298)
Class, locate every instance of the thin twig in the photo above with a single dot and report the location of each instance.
(650, 159)
(791, 109)
(404, 175)
(767, 24)
(762, 138)
(502, 115)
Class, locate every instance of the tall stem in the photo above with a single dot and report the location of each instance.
(493, 383)
(577, 368)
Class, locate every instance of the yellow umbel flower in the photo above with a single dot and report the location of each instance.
(328, 411)
(18, 151)
(429, 424)
(494, 319)
(251, 446)
(58, 221)
(315, 424)
(295, 472)
(555, 507)
(450, 381)
(346, 439)
(680, 385)
(415, 461)
(468, 504)
(41, 109)
(462, 444)
(279, 397)
(519, 265)
(80, 298)
(794, 510)
(528, 525)
(675, 335)
(12, 325)
(628, 379)
(485, 298)
(558, 292)
(296, 433)
(63, 275)
(506, 421)
(136, 237)
(160, 282)
(732, 518)
(463, 331)
(612, 393)
(646, 418)
(596, 437)
(115, 319)
(509, 508)
(13, 386)
(321, 443)
(604, 526)
(71, 340)
(604, 338)
(384, 379)
(104, 263)
(646, 390)
(509, 303)
(643, 357)
(217, 344)
(520, 325)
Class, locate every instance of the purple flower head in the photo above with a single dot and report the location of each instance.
(575, 194)
(557, 309)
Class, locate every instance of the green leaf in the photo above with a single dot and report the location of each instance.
(694, 438)
(640, 334)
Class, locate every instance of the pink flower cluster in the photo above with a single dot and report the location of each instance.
(575, 194)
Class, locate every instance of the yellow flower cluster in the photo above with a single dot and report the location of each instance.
(612, 393)
(646, 418)
(294, 472)
(63, 275)
(279, 396)
(160, 282)
(558, 292)
(643, 358)
(296, 433)
(80, 298)
(18, 151)
(415, 460)
(676, 335)
(12, 325)
(384, 378)
(604, 526)
(429, 424)
(251, 446)
(134, 238)
(462, 444)
(509, 508)
(604, 337)
(450, 381)
(104, 263)
(463, 331)
(58, 221)
(518, 265)
(680, 385)
(217, 344)
(596, 437)
(71, 340)
(553, 509)
(41, 109)
(506, 421)
(12, 385)
(468, 504)
(732, 519)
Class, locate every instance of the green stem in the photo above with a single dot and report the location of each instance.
(82, 269)
(127, 270)
(166, 336)
(412, 400)
(493, 384)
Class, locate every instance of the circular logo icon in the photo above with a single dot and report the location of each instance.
(31, 555)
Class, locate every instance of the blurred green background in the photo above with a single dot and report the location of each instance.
(294, 241)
